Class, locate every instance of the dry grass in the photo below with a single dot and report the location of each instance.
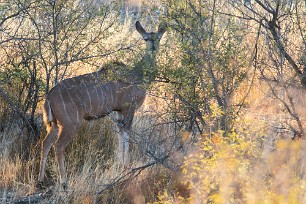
(252, 165)
(91, 164)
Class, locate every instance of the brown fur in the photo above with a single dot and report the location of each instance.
(94, 95)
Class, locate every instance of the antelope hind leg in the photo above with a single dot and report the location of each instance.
(65, 136)
(45, 148)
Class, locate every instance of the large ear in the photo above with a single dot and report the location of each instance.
(161, 30)
(141, 30)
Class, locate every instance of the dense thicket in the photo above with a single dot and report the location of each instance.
(213, 55)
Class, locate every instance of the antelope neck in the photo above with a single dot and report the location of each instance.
(146, 69)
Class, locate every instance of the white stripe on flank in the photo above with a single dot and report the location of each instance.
(64, 106)
(111, 94)
(76, 107)
(99, 99)
(50, 112)
(89, 97)
(103, 101)
(77, 115)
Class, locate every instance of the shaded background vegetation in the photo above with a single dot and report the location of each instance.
(228, 100)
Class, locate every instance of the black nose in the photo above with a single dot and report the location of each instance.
(153, 48)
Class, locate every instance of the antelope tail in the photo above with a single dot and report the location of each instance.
(48, 115)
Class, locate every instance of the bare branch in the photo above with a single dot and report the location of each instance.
(267, 8)
(134, 172)
(5, 96)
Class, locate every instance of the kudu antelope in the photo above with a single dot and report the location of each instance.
(115, 87)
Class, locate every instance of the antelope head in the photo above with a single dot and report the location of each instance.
(152, 39)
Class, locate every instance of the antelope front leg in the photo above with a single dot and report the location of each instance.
(126, 148)
(120, 146)
(124, 123)
(123, 146)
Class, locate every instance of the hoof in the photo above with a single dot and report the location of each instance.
(64, 186)
(40, 185)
